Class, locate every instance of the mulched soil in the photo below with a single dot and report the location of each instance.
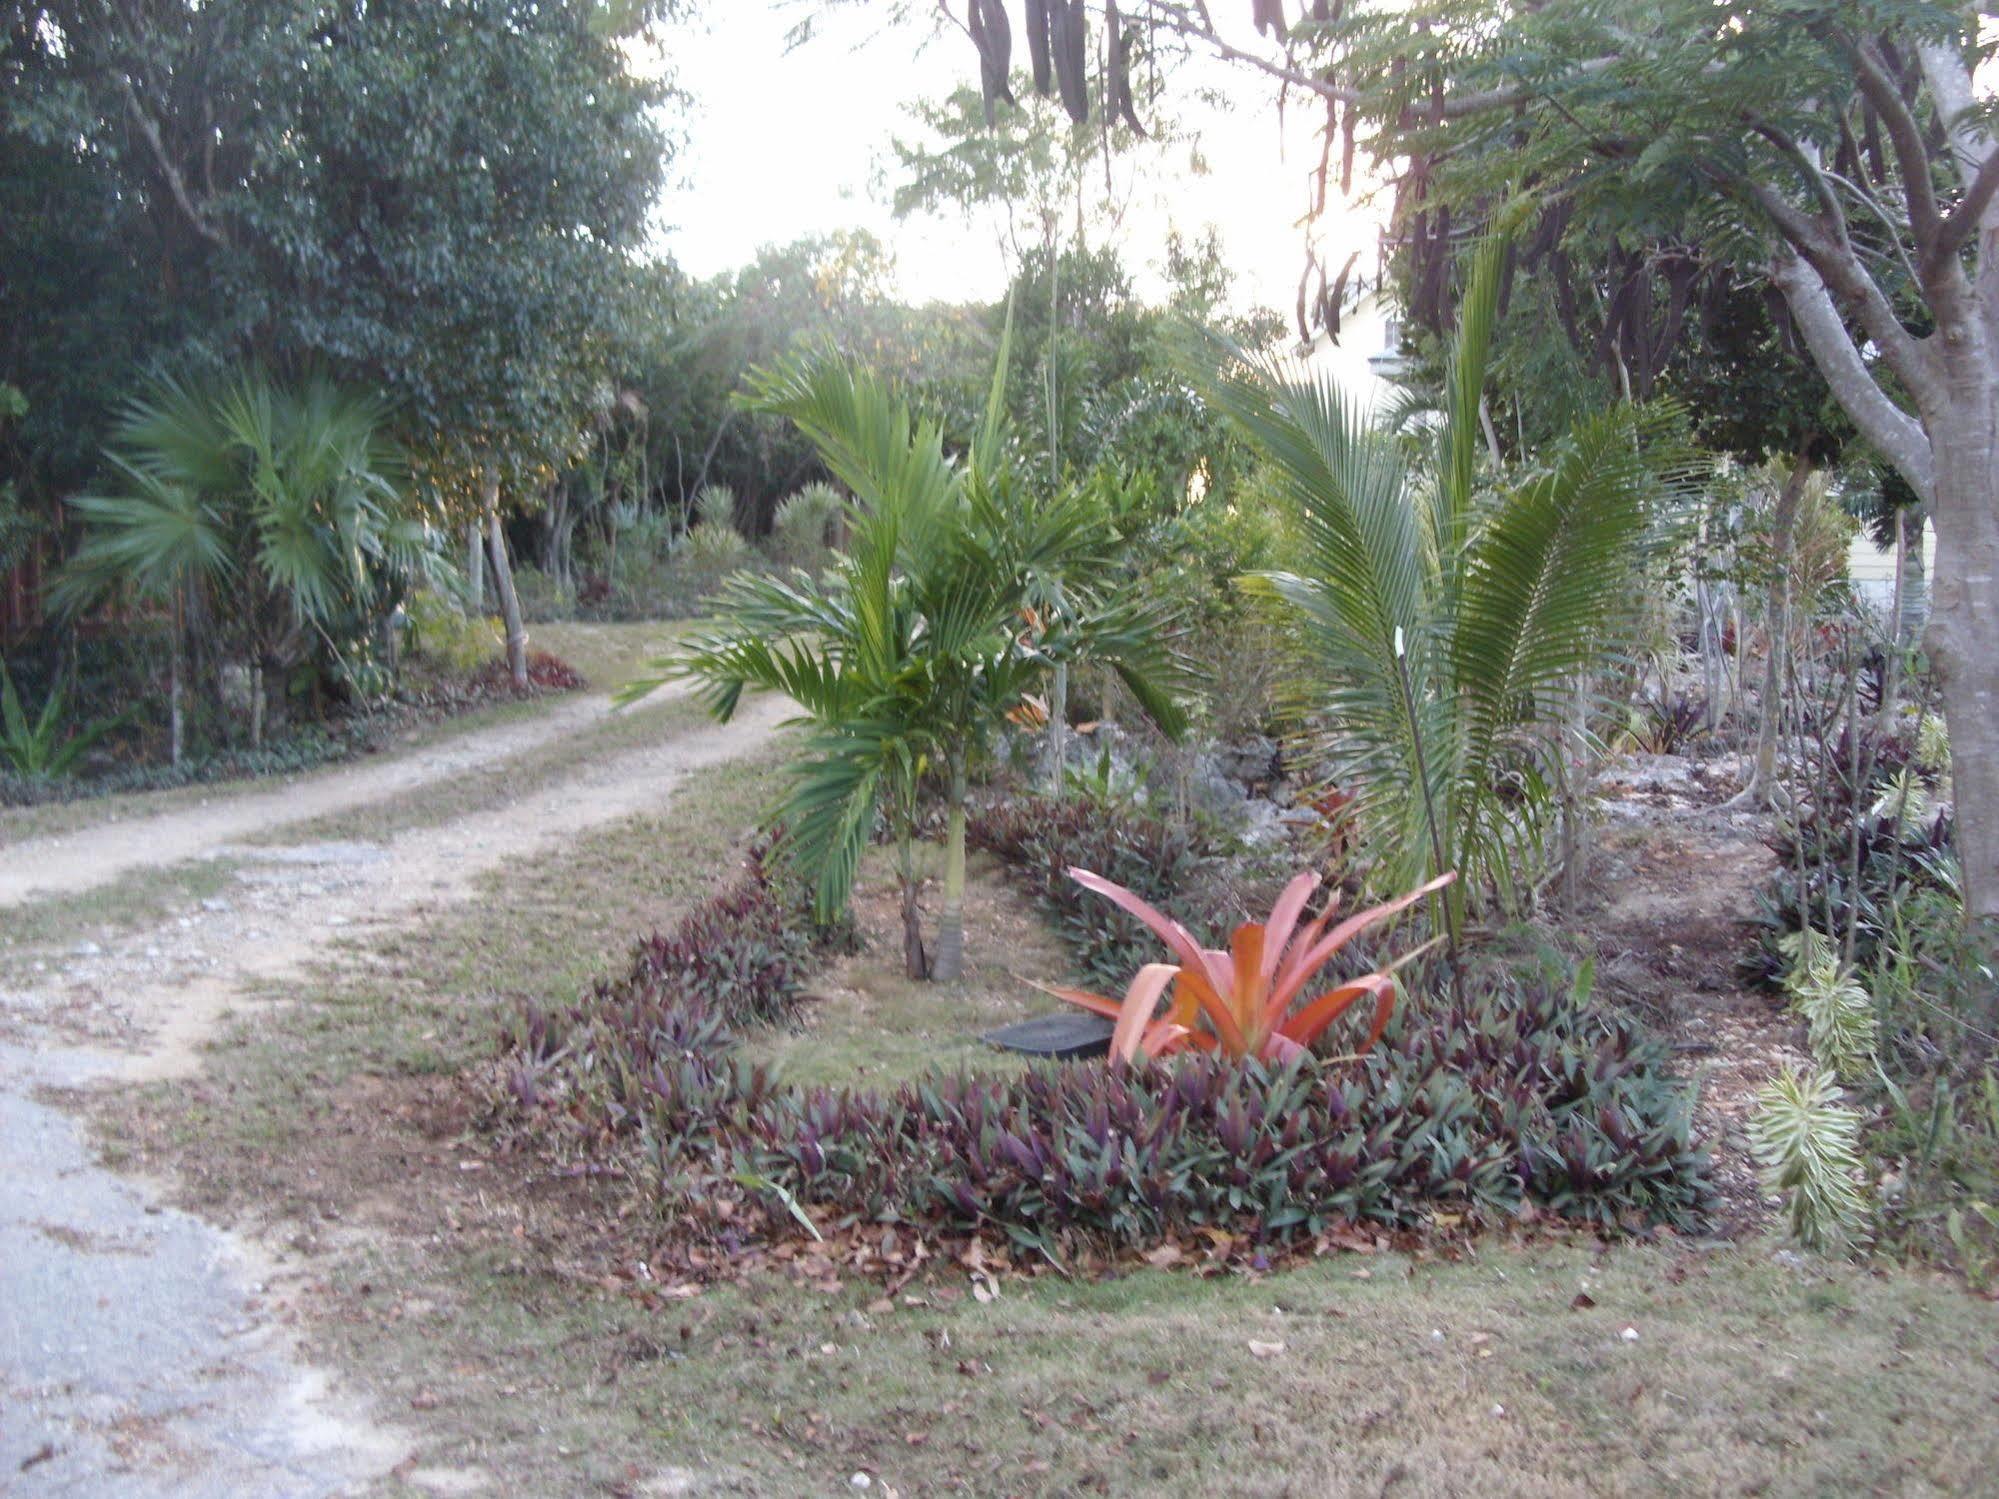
(1673, 882)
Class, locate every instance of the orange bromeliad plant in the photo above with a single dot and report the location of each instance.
(1243, 1002)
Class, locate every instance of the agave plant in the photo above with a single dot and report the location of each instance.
(1250, 1000)
(38, 748)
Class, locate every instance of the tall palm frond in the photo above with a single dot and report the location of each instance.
(1441, 607)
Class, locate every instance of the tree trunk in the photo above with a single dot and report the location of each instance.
(176, 675)
(1058, 731)
(475, 566)
(915, 962)
(950, 964)
(256, 704)
(1891, 658)
(1783, 529)
(1963, 640)
(503, 585)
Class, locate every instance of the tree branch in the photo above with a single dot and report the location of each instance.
(1895, 434)
(176, 184)
(1906, 134)
(1968, 216)
(1838, 267)
(1950, 87)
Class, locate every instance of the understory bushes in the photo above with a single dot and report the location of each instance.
(1173, 864)
(1527, 1096)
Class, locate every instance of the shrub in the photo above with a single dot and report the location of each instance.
(1526, 1096)
(442, 633)
(1173, 865)
(802, 528)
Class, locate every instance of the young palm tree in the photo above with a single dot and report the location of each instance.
(1448, 614)
(280, 510)
(908, 652)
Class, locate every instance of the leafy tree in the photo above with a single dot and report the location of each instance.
(912, 649)
(442, 201)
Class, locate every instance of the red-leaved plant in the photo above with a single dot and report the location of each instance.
(1248, 1001)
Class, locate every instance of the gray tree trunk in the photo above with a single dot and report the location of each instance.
(475, 565)
(503, 585)
(1963, 634)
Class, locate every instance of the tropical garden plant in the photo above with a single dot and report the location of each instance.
(909, 652)
(278, 512)
(41, 747)
(1250, 1001)
(1450, 609)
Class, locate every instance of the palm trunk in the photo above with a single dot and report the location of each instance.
(257, 704)
(915, 962)
(176, 674)
(950, 965)
(503, 585)
(1058, 731)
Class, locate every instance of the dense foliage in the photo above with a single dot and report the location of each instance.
(1176, 865)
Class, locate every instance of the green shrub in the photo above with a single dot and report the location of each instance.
(443, 634)
(1173, 865)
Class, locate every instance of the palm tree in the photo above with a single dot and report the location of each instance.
(281, 511)
(1448, 608)
(911, 649)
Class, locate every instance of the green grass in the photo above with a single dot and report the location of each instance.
(142, 898)
(498, 785)
(872, 1026)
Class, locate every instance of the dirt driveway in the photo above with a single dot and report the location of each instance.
(142, 1351)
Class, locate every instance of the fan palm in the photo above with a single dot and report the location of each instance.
(915, 644)
(1445, 613)
(280, 510)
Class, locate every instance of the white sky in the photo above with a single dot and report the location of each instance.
(781, 146)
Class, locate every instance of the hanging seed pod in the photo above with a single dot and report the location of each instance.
(1072, 58)
(992, 34)
(1269, 17)
(1118, 71)
(1039, 54)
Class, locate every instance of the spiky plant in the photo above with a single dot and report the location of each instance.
(1904, 802)
(1933, 744)
(1807, 1142)
(802, 528)
(1448, 611)
(1838, 1011)
(713, 540)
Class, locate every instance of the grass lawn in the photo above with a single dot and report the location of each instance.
(503, 1316)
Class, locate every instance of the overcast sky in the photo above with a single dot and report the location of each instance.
(781, 146)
